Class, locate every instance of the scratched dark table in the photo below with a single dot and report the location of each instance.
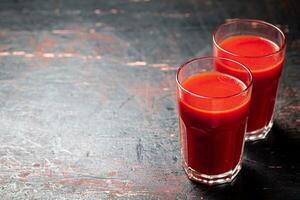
(88, 107)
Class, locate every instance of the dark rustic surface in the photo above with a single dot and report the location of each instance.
(87, 100)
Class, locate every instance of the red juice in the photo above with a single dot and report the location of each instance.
(212, 131)
(253, 52)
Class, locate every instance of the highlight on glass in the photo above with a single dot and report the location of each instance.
(260, 46)
(213, 103)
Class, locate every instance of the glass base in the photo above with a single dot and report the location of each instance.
(226, 177)
(260, 133)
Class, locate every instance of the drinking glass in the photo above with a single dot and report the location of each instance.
(260, 46)
(213, 104)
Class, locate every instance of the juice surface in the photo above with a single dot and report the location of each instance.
(212, 130)
(257, 53)
(214, 84)
(251, 46)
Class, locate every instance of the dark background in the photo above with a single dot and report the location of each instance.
(88, 107)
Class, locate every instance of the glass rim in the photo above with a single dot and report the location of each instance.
(232, 21)
(213, 58)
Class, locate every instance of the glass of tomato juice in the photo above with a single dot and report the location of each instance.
(259, 46)
(213, 105)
